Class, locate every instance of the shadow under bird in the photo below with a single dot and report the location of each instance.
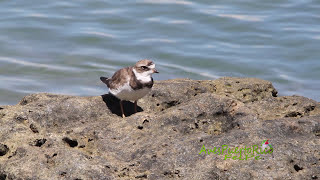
(131, 83)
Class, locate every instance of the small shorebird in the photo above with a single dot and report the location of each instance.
(131, 83)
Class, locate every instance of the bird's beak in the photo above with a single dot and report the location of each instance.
(155, 71)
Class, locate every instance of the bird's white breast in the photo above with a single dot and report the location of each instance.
(144, 77)
(125, 92)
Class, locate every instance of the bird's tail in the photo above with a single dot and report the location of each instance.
(104, 80)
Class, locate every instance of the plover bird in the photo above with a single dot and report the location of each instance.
(131, 83)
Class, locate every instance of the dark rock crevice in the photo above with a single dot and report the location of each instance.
(38, 142)
(3, 149)
(71, 142)
(3, 176)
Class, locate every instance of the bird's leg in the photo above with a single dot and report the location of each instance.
(135, 106)
(121, 106)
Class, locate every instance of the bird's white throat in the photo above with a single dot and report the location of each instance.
(143, 77)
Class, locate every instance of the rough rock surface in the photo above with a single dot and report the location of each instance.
(49, 136)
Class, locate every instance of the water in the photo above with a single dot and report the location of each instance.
(65, 46)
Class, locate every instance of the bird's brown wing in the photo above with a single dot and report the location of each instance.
(119, 78)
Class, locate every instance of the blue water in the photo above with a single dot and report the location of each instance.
(65, 46)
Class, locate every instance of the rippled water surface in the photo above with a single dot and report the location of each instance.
(65, 46)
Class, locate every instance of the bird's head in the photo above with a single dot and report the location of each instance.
(145, 68)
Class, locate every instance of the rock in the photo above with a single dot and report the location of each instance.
(287, 106)
(245, 89)
(178, 124)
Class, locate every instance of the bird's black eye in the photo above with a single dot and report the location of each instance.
(144, 67)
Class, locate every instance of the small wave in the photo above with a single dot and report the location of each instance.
(229, 45)
(190, 70)
(301, 29)
(38, 15)
(65, 4)
(209, 11)
(154, 19)
(94, 90)
(261, 46)
(158, 40)
(286, 76)
(19, 80)
(113, 11)
(223, 11)
(316, 37)
(180, 22)
(181, 2)
(99, 34)
(37, 65)
(204, 74)
(209, 46)
(243, 17)
(103, 66)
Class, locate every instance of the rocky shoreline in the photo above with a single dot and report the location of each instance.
(48, 136)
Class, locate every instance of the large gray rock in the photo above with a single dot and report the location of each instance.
(49, 136)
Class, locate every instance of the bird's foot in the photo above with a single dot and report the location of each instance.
(135, 106)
